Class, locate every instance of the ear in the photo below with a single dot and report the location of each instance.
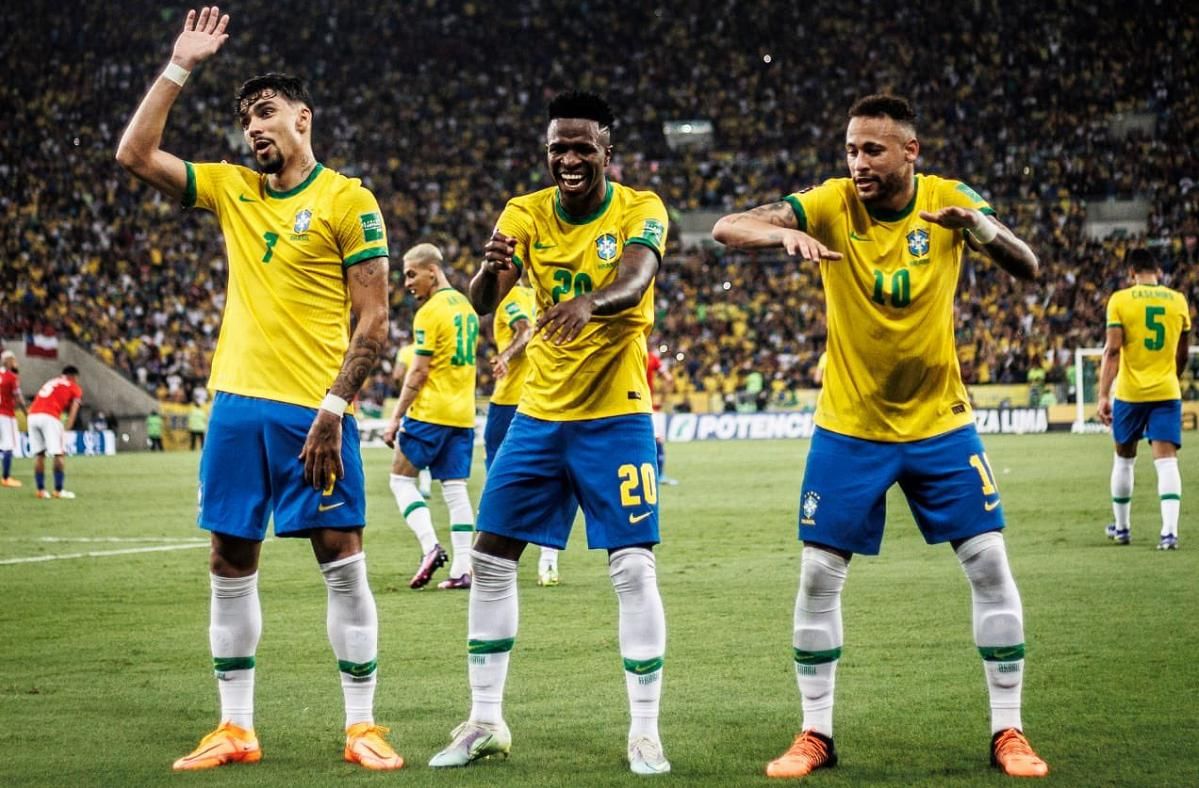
(303, 120)
(607, 155)
(911, 150)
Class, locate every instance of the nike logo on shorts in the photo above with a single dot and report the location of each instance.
(990, 507)
(634, 519)
(324, 507)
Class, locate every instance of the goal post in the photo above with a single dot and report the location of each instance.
(1086, 381)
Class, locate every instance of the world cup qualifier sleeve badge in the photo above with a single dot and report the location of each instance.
(807, 509)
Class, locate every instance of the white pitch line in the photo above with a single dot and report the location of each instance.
(118, 539)
(100, 553)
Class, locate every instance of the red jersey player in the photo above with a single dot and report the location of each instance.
(46, 431)
(10, 400)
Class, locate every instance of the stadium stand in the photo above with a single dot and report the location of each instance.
(438, 107)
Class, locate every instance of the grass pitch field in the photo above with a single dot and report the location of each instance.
(105, 675)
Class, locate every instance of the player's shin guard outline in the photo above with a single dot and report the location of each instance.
(414, 510)
(1123, 469)
(462, 524)
(642, 631)
(491, 633)
(234, 628)
(352, 622)
(817, 634)
(1169, 491)
(998, 624)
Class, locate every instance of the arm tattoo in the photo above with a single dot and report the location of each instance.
(360, 360)
(366, 344)
(779, 214)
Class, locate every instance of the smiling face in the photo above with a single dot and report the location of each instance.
(578, 152)
(881, 153)
(275, 128)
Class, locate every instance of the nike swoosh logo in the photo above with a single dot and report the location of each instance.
(540, 245)
(326, 507)
(990, 506)
(634, 519)
(855, 237)
(244, 198)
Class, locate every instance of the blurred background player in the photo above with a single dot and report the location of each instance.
(197, 425)
(1146, 352)
(435, 416)
(403, 362)
(889, 244)
(47, 428)
(305, 321)
(513, 328)
(10, 400)
(582, 433)
(655, 370)
(154, 426)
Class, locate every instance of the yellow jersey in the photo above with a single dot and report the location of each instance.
(404, 357)
(892, 370)
(601, 372)
(1152, 317)
(518, 305)
(286, 324)
(446, 329)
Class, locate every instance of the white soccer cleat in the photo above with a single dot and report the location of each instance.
(473, 741)
(646, 756)
(66, 495)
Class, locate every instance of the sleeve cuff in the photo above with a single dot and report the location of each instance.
(797, 207)
(364, 255)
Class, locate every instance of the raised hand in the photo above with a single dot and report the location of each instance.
(201, 37)
(954, 217)
(497, 252)
(798, 243)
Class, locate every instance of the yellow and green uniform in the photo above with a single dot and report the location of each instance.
(286, 324)
(518, 305)
(404, 356)
(446, 329)
(893, 370)
(1152, 317)
(601, 372)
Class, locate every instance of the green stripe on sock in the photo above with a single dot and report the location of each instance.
(468, 527)
(358, 669)
(412, 507)
(643, 666)
(1171, 497)
(226, 664)
(489, 646)
(1120, 500)
(816, 657)
(1001, 653)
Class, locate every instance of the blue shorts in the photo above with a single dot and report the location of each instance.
(498, 419)
(446, 451)
(546, 469)
(250, 469)
(946, 478)
(1157, 421)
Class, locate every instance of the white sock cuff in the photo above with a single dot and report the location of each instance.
(233, 587)
(976, 545)
(457, 500)
(491, 568)
(637, 555)
(332, 566)
(1165, 462)
(1125, 462)
(827, 560)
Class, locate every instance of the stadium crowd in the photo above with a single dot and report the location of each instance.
(443, 125)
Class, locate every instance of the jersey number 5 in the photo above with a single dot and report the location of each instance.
(1153, 323)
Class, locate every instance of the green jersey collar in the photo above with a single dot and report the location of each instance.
(293, 192)
(566, 217)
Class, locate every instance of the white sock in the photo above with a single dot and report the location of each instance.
(234, 626)
(642, 635)
(491, 633)
(414, 510)
(998, 624)
(818, 635)
(462, 524)
(1122, 473)
(353, 626)
(425, 482)
(1169, 490)
(548, 559)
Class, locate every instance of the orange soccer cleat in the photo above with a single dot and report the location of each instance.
(227, 744)
(809, 752)
(365, 745)
(1012, 753)
(10, 482)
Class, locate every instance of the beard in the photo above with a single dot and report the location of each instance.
(270, 165)
(888, 186)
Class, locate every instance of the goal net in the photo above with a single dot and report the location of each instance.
(1084, 388)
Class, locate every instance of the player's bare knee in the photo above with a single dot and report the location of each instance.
(233, 557)
(632, 568)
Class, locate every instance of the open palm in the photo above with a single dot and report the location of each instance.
(201, 37)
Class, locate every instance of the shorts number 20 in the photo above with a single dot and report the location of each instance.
(638, 485)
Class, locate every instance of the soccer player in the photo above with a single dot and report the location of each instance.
(656, 369)
(306, 248)
(582, 431)
(403, 363)
(893, 407)
(513, 328)
(1145, 353)
(10, 399)
(47, 429)
(436, 410)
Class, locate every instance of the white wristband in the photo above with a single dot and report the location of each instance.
(176, 73)
(985, 232)
(334, 404)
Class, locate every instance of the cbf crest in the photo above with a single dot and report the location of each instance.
(303, 220)
(918, 243)
(811, 502)
(605, 247)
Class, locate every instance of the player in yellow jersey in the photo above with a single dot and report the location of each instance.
(435, 416)
(893, 407)
(512, 328)
(582, 431)
(1146, 351)
(306, 249)
(399, 371)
